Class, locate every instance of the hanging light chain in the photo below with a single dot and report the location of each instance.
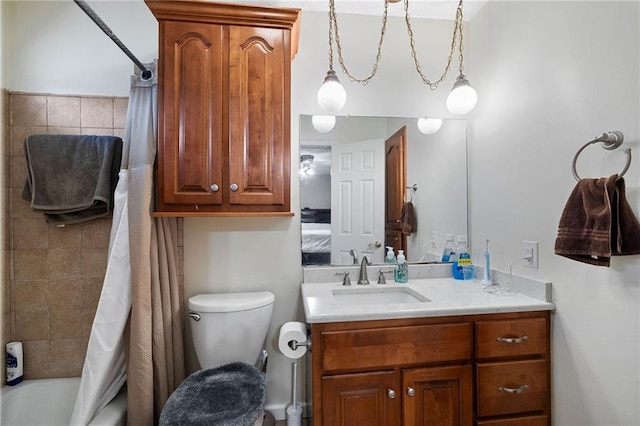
(460, 33)
(457, 33)
(333, 27)
(330, 37)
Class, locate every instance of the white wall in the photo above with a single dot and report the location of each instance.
(55, 47)
(573, 70)
(550, 76)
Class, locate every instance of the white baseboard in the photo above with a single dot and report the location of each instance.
(279, 411)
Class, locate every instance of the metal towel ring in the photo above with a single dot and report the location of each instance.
(610, 141)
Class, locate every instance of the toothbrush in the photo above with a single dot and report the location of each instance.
(486, 279)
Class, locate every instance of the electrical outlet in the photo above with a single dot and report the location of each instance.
(531, 251)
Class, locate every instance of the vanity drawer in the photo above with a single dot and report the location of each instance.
(509, 338)
(516, 421)
(512, 387)
(395, 346)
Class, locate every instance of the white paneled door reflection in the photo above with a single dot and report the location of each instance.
(357, 201)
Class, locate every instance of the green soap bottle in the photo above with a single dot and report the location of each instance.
(401, 273)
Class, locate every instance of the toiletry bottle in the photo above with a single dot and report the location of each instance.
(14, 363)
(448, 249)
(463, 258)
(401, 273)
(391, 257)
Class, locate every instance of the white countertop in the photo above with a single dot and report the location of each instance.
(447, 297)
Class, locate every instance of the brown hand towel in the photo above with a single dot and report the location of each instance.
(597, 223)
(408, 219)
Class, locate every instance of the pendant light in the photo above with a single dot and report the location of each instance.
(462, 98)
(332, 96)
(323, 123)
(428, 125)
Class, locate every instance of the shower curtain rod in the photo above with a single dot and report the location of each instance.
(146, 73)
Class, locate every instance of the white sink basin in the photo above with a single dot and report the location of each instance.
(376, 295)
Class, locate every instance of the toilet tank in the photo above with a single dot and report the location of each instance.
(231, 326)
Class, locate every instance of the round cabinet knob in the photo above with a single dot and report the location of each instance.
(214, 187)
(411, 391)
(391, 393)
(234, 187)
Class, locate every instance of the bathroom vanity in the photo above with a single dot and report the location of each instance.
(442, 352)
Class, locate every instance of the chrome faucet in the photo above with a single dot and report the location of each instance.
(354, 254)
(362, 277)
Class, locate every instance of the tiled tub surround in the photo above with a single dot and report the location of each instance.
(55, 274)
(447, 297)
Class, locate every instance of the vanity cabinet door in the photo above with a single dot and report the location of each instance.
(371, 399)
(438, 396)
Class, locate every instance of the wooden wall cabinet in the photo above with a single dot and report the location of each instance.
(224, 108)
(482, 369)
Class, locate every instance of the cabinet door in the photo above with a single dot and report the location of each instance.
(367, 399)
(438, 396)
(191, 120)
(259, 89)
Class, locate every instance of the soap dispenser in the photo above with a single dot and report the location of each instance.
(462, 260)
(401, 273)
(391, 257)
(448, 249)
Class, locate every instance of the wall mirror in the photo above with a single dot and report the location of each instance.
(355, 179)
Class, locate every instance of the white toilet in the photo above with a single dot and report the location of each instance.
(229, 327)
(228, 332)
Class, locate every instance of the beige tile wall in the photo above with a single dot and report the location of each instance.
(56, 273)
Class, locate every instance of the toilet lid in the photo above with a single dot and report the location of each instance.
(232, 394)
(230, 302)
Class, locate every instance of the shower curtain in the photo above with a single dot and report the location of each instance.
(138, 327)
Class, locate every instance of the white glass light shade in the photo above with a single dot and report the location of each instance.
(463, 97)
(331, 96)
(323, 123)
(428, 125)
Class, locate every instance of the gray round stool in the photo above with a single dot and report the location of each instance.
(230, 395)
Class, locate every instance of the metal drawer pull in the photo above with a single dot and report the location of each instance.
(521, 389)
(513, 339)
(411, 391)
(391, 393)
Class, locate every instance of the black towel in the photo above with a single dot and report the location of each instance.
(71, 178)
(597, 223)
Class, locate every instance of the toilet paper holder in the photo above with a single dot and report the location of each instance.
(294, 344)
